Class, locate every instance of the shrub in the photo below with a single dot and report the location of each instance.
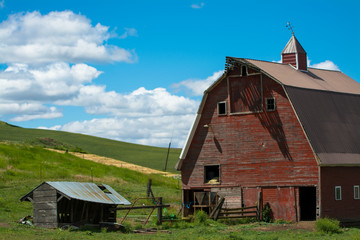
(267, 215)
(201, 217)
(127, 227)
(327, 225)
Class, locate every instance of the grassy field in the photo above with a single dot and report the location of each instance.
(152, 157)
(23, 167)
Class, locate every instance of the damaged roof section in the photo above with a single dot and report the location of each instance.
(89, 192)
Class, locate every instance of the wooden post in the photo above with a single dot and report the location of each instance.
(159, 213)
(259, 206)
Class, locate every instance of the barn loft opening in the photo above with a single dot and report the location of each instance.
(212, 174)
(221, 108)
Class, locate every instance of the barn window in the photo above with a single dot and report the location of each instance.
(221, 108)
(337, 192)
(356, 192)
(244, 71)
(212, 174)
(270, 104)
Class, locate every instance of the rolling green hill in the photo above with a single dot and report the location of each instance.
(152, 157)
(23, 167)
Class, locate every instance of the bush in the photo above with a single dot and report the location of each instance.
(201, 217)
(327, 225)
(267, 215)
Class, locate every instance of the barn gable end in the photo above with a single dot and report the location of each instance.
(271, 129)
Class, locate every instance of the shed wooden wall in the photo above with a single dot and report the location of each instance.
(45, 207)
(267, 149)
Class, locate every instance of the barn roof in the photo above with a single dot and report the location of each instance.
(293, 46)
(89, 192)
(326, 102)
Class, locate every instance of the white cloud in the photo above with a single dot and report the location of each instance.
(57, 36)
(25, 111)
(328, 65)
(197, 6)
(129, 32)
(2, 3)
(139, 103)
(154, 131)
(197, 86)
(48, 83)
(49, 114)
(46, 71)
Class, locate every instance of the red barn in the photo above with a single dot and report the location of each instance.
(282, 129)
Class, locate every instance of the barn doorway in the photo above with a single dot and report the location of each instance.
(307, 198)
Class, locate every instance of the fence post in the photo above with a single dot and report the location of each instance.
(159, 213)
(259, 207)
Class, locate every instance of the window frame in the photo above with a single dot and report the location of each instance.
(356, 196)
(205, 175)
(244, 74)
(338, 188)
(218, 108)
(266, 104)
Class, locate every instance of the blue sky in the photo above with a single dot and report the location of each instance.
(135, 70)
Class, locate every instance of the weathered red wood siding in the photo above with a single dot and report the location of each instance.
(346, 177)
(265, 149)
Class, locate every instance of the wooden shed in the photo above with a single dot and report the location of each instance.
(283, 131)
(73, 203)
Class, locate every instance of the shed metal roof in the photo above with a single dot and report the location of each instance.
(89, 192)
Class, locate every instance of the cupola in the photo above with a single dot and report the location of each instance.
(294, 54)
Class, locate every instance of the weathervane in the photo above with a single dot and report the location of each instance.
(288, 25)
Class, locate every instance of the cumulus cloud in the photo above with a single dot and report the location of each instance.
(46, 60)
(328, 65)
(154, 130)
(129, 32)
(139, 103)
(57, 36)
(197, 6)
(197, 86)
(48, 83)
(25, 111)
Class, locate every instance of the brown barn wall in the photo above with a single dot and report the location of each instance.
(282, 202)
(347, 208)
(289, 58)
(254, 149)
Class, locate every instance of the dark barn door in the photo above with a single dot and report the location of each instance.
(307, 203)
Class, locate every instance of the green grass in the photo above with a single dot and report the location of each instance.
(24, 167)
(152, 157)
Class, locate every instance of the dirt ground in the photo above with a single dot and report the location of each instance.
(117, 163)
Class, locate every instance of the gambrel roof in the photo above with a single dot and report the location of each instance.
(327, 104)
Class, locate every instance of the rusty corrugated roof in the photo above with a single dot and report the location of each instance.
(89, 192)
